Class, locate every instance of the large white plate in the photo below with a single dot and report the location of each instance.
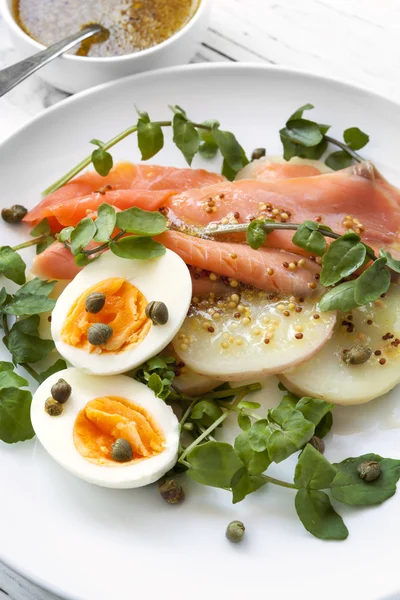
(96, 544)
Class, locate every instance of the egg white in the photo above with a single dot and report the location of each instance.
(56, 433)
(165, 279)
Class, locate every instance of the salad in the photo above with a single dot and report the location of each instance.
(161, 300)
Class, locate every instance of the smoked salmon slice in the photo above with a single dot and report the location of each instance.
(91, 189)
(265, 169)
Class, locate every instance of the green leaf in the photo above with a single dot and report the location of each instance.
(206, 412)
(30, 326)
(339, 160)
(155, 384)
(29, 304)
(24, 343)
(373, 282)
(65, 234)
(249, 405)
(313, 409)
(315, 511)
(288, 401)
(101, 159)
(349, 488)
(291, 149)
(294, 431)
(298, 114)
(324, 426)
(230, 149)
(36, 286)
(213, 464)
(82, 259)
(255, 462)
(244, 422)
(206, 135)
(313, 470)
(141, 222)
(150, 138)
(186, 137)
(243, 484)
(302, 131)
(9, 379)
(344, 256)
(11, 265)
(142, 248)
(256, 234)
(258, 435)
(309, 238)
(3, 296)
(105, 223)
(208, 149)
(355, 138)
(41, 247)
(59, 365)
(15, 420)
(42, 228)
(341, 297)
(392, 263)
(82, 235)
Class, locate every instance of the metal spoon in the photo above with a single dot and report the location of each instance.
(13, 75)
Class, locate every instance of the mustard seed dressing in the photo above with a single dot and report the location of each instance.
(133, 25)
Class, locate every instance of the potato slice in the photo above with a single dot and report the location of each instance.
(251, 335)
(328, 377)
(187, 381)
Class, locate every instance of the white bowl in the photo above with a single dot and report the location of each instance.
(75, 73)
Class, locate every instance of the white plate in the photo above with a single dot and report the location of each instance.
(96, 544)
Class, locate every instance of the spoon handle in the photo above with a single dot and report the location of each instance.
(13, 75)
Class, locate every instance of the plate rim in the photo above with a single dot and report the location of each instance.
(240, 67)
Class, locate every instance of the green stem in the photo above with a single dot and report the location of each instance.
(279, 482)
(32, 242)
(202, 429)
(25, 366)
(104, 246)
(344, 147)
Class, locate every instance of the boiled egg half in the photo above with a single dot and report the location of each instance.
(99, 412)
(127, 287)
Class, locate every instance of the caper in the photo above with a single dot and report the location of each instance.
(258, 153)
(171, 491)
(53, 408)
(121, 450)
(235, 531)
(15, 214)
(61, 391)
(317, 443)
(99, 333)
(95, 302)
(369, 470)
(157, 312)
(357, 355)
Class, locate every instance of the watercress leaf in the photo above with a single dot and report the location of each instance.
(206, 134)
(59, 365)
(9, 379)
(101, 159)
(255, 462)
(27, 347)
(82, 259)
(29, 304)
(310, 239)
(230, 149)
(206, 412)
(65, 234)
(392, 263)
(313, 409)
(155, 384)
(30, 325)
(341, 297)
(36, 286)
(349, 488)
(324, 426)
(177, 110)
(249, 405)
(105, 222)
(150, 138)
(82, 235)
(256, 234)
(313, 470)
(291, 149)
(208, 149)
(6, 366)
(143, 115)
(3, 296)
(186, 137)
(141, 222)
(373, 282)
(294, 431)
(213, 464)
(15, 421)
(142, 248)
(339, 160)
(243, 484)
(288, 401)
(258, 435)
(344, 256)
(324, 128)
(156, 362)
(11, 265)
(304, 132)
(227, 171)
(42, 228)
(282, 387)
(41, 247)
(355, 138)
(315, 511)
(299, 112)
(244, 421)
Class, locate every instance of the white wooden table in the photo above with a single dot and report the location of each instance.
(355, 40)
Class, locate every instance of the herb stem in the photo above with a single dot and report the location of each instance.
(104, 246)
(279, 482)
(32, 242)
(344, 147)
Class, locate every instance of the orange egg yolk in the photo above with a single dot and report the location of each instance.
(104, 420)
(123, 311)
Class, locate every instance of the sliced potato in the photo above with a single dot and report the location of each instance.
(251, 335)
(255, 168)
(327, 376)
(187, 381)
